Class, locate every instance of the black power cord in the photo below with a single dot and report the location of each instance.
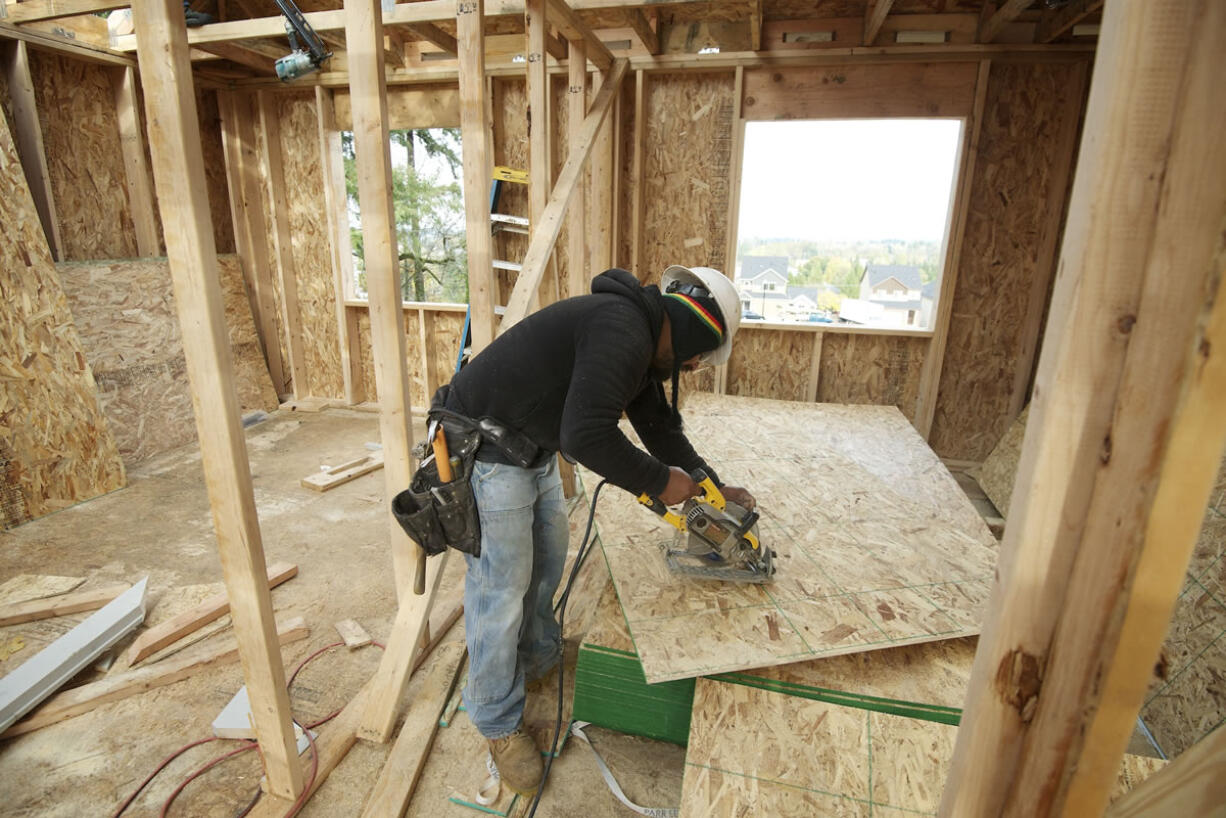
(585, 548)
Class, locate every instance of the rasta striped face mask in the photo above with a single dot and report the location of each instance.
(697, 324)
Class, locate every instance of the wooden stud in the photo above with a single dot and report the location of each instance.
(546, 234)
(402, 770)
(955, 227)
(1005, 14)
(734, 173)
(755, 25)
(638, 167)
(215, 607)
(615, 184)
(540, 129)
(274, 177)
(341, 253)
(599, 199)
(475, 138)
(815, 367)
(1125, 430)
(132, 144)
(178, 164)
(572, 28)
(874, 16)
(576, 214)
(368, 96)
(28, 134)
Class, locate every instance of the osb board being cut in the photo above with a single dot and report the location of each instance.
(55, 447)
(309, 241)
(764, 753)
(84, 159)
(998, 471)
(876, 544)
(130, 330)
(930, 673)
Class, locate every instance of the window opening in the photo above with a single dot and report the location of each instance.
(845, 221)
(428, 207)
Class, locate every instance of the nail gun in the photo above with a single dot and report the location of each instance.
(716, 539)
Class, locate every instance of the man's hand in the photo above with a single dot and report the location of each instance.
(740, 496)
(680, 488)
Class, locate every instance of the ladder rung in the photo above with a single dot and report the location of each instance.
(505, 219)
(507, 265)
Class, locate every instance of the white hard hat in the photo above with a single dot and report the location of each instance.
(725, 295)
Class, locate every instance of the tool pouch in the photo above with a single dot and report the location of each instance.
(437, 514)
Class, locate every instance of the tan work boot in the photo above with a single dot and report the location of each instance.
(518, 761)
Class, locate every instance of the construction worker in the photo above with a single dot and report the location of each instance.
(560, 380)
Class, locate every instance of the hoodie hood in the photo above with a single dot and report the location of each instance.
(620, 282)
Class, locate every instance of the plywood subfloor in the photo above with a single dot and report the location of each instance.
(757, 752)
(877, 545)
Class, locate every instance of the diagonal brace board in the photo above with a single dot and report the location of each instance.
(545, 234)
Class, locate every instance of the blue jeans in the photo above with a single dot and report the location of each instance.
(508, 594)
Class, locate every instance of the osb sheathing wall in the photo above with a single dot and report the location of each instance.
(1029, 125)
(55, 448)
(303, 172)
(80, 127)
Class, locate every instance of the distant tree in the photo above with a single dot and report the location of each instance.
(429, 216)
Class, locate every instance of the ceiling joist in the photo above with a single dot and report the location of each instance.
(647, 35)
(34, 10)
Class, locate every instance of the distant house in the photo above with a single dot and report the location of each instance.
(898, 289)
(763, 285)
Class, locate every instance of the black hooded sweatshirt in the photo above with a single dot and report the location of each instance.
(564, 375)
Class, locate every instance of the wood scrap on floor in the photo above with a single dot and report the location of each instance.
(170, 631)
(334, 476)
(767, 753)
(877, 545)
(353, 634)
(308, 404)
(50, 668)
(120, 686)
(401, 771)
(61, 605)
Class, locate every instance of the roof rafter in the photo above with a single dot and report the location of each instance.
(874, 17)
(566, 21)
(1006, 13)
(1057, 21)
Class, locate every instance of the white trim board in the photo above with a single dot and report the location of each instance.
(55, 664)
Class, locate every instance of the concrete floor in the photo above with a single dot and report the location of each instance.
(160, 527)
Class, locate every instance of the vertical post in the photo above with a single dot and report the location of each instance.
(576, 216)
(1125, 429)
(540, 131)
(600, 187)
(638, 165)
(368, 96)
(734, 212)
(274, 177)
(474, 136)
(136, 170)
(178, 164)
(28, 134)
(336, 204)
(955, 227)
